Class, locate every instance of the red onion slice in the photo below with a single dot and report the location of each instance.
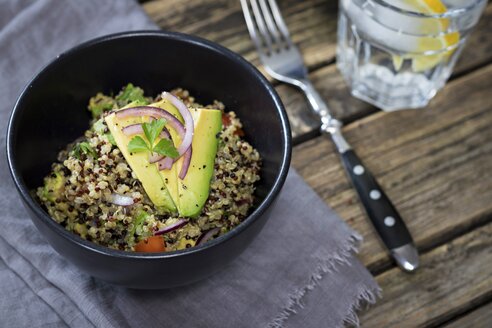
(165, 163)
(207, 236)
(121, 200)
(165, 134)
(154, 158)
(186, 163)
(185, 113)
(152, 112)
(180, 223)
(132, 129)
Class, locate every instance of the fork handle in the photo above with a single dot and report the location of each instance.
(316, 103)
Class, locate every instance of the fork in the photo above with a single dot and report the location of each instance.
(283, 61)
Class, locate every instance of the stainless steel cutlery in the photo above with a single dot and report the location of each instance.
(283, 61)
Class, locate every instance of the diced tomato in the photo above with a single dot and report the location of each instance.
(239, 132)
(226, 120)
(152, 244)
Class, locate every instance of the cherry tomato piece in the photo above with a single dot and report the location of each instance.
(152, 244)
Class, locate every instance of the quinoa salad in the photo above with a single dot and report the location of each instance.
(96, 189)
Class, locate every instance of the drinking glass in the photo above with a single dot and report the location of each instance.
(397, 54)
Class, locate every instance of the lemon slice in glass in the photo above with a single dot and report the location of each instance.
(438, 40)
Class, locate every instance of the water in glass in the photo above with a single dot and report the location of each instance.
(397, 54)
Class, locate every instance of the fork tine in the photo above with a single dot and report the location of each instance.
(271, 24)
(257, 31)
(280, 22)
(261, 25)
(251, 26)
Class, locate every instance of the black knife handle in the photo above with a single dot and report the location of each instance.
(379, 208)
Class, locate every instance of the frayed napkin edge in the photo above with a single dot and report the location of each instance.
(365, 296)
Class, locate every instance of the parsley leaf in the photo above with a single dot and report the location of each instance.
(166, 147)
(137, 144)
(153, 129)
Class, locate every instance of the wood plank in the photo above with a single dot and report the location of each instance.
(479, 318)
(313, 27)
(434, 164)
(453, 277)
(312, 24)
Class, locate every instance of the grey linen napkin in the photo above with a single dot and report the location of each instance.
(299, 272)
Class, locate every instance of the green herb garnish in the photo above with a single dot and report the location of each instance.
(138, 222)
(137, 144)
(100, 104)
(99, 126)
(83, 148)
(152, 130)
(166, 147)
(129, 94)
(111, 139)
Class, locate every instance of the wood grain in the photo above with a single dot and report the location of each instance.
(312, 25)
(434, 164)
(453, 277)
(479, 318)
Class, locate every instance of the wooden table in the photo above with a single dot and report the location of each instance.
(435, 163)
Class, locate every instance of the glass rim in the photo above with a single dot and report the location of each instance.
(449, 13)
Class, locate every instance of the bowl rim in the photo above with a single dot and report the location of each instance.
(180, 37)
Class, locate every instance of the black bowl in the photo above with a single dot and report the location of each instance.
(51, 112)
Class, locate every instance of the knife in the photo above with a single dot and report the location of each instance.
(381, 212)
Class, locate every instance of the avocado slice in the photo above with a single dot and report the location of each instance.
(147, 173)
(195, 187)
(191, 193)
(169, 176)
